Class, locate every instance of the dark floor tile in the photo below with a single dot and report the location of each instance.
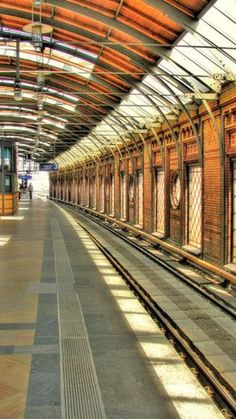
(48, 363)
(44, 389)
(16, 326)
(42, 412)
(46, 340)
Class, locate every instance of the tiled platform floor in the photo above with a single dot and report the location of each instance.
(74, 342)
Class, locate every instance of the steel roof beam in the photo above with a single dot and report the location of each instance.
(74, 30)
(136, 59)
(172, 12)
(107, 21)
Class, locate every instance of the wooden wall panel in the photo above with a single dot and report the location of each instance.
(216, 175)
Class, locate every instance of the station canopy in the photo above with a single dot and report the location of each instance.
(78, 78)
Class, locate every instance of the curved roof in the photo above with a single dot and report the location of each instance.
(108, 68)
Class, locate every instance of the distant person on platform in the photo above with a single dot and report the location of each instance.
(30, 189)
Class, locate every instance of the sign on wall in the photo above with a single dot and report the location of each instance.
(47, 167)
(25, 177)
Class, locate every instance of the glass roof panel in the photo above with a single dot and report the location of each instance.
(192, 67)
(33, 96)
(70, 63)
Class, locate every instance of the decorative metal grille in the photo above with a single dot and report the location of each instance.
(194, 206)
(123, 196)
(79, 191)
(139, 199)
(234, 214)
(102, 197)
(160, 213)
(66, 192)
(112, 195)
(91, 192)
(94, 193)
(87, 191)
(83, 191)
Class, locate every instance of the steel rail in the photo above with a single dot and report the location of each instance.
(227, 308)
(170, 248)
(207, 374)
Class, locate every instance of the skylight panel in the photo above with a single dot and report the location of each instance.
(84, 70)
(26, 129)
(44, 90)
(202, 57)
(222, 23)
(33, 96)
(227, 7)
(18, 115)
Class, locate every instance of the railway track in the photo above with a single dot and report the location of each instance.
(165, 262)
(211, 378)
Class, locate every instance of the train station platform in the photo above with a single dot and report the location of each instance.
(74, 340)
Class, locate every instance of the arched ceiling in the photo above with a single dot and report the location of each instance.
(108, 66)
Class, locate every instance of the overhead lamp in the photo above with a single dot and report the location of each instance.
(37, 3)
(40, 101)
(228, 76)
(40, 79)
(37, 29)
(17, 83)
(17, 91)
(41, 114)
(40, 117)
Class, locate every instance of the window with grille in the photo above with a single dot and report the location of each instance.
(101, 193)
(94, 193)
(66, 191)
(69, 191)
(234, 215)
(112, 195)
(194, 206)
(76, 191)
(123, 196)
(80, 198)
(160, 195)
(91, 192)
(139, 199)
(87, 191)
(60, 191)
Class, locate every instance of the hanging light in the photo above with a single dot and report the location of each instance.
(40, 79)
(17, 91)
(37, 29)
(40, 101)
(37, 39)
(37, 3)
(17, 83)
